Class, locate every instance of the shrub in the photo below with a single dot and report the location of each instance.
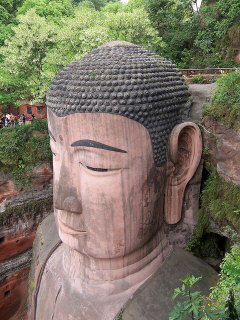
(22, 147)
(225, 104)
(229, 279)
(198, 79)
(221, 201)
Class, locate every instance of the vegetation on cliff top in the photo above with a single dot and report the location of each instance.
(22, 147)
(225, 104)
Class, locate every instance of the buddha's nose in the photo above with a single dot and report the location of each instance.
(72, 204)
(69, 203)
(66, 192)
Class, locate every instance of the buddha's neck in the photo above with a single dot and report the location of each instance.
(119, 274)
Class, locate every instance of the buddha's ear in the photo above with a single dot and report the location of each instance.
(184, 154)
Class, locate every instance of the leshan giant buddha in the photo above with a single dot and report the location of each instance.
(122, 157)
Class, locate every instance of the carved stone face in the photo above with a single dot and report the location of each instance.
(108, 194)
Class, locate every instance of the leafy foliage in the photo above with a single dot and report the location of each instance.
(229, 278)
(215, 40)
(96, 4)
(39, 37)
(225, 104)
(176, 22)
(52, 10)
(8, 9)
(197, 38)
(192, 304)
(39, 48)
(220, 200)
(22, 147)
(198, 79)
(24, 55)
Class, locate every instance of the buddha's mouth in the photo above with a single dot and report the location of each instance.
(69, 230)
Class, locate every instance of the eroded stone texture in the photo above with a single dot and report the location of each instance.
(223, 146)
(153, 302)
(20, 213)
(41, 175)
(13, 293)
(7, 190)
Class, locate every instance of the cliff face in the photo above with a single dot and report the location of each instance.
(21, 211)
(222, 145)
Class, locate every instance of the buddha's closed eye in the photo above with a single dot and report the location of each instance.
(97, 169)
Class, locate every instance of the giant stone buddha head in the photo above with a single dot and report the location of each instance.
(122, 152)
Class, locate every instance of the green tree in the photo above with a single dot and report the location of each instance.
(218, 36)
(98, 4)
(177, 24)
(22, 71)
(39, 48)
(8, 10)
(52, 10)
(90, 28)
(229, 279)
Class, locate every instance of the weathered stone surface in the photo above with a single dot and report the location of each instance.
(223, 145)
(13, 293)
(200, 94)
(41, 174)
(20, 213)
(153, 300)
(7, 190)
(16, 243)
(179, 233)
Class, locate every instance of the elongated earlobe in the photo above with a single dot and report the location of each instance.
(184, 154)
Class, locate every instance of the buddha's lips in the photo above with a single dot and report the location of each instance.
(68, 230)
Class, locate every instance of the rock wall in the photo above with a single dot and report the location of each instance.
(222, 146)
(21, 211)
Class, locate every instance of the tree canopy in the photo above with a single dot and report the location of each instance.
(41, 46)
(39, 37)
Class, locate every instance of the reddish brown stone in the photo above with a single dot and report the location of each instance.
(7, 190)
(15, 244)
(13, 296)
(41, 174)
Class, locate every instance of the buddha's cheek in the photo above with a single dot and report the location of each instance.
(102, 209)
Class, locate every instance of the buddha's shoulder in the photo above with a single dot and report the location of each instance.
(46, 239)
(153, 299)
(46, 242)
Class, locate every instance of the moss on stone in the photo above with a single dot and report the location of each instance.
(32, 207)
(220, 202)
(200, 229)
(119, 316)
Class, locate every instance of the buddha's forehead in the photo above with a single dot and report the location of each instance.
(110, 129)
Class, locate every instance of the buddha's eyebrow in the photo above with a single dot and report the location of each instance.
(95, 144)
(51, 135)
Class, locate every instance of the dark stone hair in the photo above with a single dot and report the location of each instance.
(125, 79)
